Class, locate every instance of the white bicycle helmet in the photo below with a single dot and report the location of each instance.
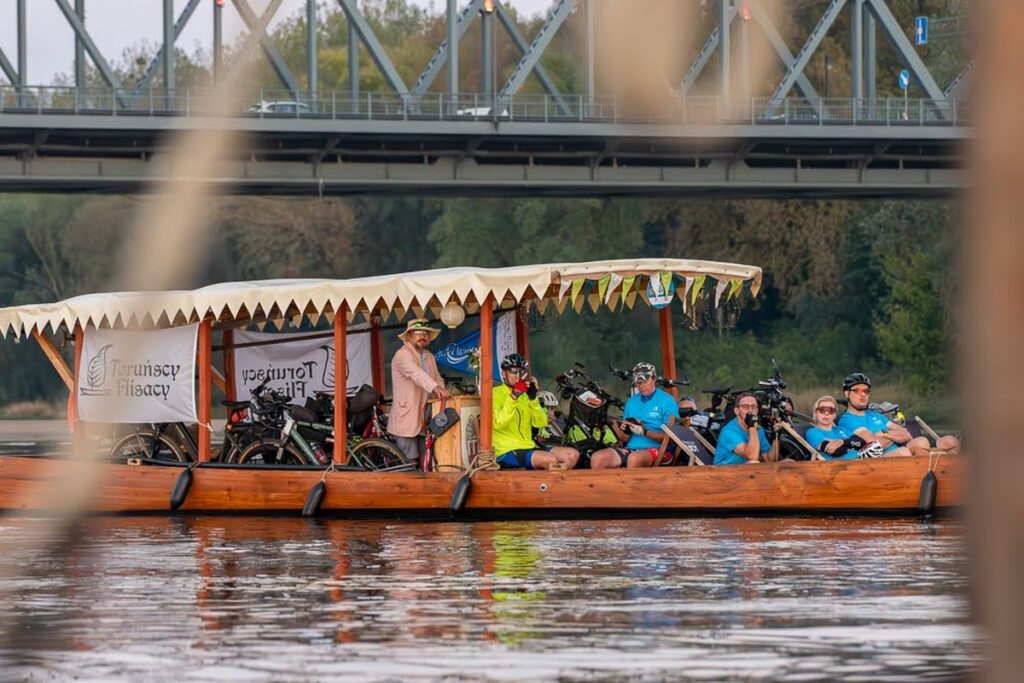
(547, 399)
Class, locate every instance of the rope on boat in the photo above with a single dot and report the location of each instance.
(460, 494)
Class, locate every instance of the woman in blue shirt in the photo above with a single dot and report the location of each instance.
(831, 440)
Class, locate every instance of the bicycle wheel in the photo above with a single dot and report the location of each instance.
(271, 452)
(148, 445)
(379, 454)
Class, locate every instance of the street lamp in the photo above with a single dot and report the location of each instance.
(828, 69)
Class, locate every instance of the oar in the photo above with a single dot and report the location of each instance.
(925, 427)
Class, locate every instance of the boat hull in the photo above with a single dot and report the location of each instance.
(35, 484)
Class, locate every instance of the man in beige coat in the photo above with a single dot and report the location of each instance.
(414, 377)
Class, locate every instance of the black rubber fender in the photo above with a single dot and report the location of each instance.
(459, 495)
(314, 499)
(181, 487)
(929, 489)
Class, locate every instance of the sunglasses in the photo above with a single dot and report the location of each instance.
(826, 410)
(516, 371)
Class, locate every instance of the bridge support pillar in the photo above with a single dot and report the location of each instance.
(311, 53)
(857, 49)
(79, 54)
(218, 42)
(453, 52)
(723, 46)
(869, 53)
(169, 53)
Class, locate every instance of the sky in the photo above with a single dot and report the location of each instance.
(117, 24)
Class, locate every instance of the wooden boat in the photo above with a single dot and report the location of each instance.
(34, 484)
(881, 485)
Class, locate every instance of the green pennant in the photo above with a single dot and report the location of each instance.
(734, 288)
(698, 284)
(666, 280)
(627, 285)
(602, 286)
(574, 292)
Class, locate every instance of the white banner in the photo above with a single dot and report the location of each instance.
(138, 376)
(504, 337)
(300, 366)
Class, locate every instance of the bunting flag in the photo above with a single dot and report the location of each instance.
(563, 287)
(630, 299)
(666, 282)
(594, 299)
(577, 285)
(719, 288)
(614, 280)
(627, 286)
(698, 284)
(734, 288)
(687, 283)
(602, 286)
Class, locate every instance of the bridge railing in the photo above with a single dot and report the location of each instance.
(526, 107)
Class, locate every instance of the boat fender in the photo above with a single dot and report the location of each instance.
(181, 487)
(459, 495)
(314, 499)
(926, 499)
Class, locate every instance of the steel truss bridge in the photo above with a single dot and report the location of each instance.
(415, 139)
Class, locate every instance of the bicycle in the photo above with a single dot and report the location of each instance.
(305, 439)
(173, 441)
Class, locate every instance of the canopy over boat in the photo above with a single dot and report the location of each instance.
(236, 304)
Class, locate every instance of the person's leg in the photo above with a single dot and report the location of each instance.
(606, 459)
(410, 447)
(900, 452)
(514, 460)
(542, 460)
(641, 458)
(566, 455)
(919, 446)
(948, 443)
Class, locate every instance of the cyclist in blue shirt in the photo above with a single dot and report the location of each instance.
(872, 426)
(743, 440)
(646, 413)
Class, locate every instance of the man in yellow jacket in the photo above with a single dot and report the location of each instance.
(517, 412)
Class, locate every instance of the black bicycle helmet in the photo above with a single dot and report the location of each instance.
(853, 380)
(643, 371)
(514, 360)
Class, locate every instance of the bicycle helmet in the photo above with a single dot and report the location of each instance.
(547, 399)
(853, 380)
(643, 371)
(514, 360)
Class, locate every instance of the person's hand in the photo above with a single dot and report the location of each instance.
(635, 427)
(441, 393)
(518, 389)
(750, 420)
(832, 445)
(531, 390)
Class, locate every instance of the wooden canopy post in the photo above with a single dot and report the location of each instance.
(340, 455)
(522, 333)
(668, 346)
(377, 355)
(230, 391)
(486, 372)
(205, 388)
(74, 419)
(56, 360)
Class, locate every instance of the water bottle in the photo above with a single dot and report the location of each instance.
(321, 455)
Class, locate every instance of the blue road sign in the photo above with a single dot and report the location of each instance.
(904, 79)
(921, 30)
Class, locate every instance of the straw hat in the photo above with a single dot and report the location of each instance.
(419, 324)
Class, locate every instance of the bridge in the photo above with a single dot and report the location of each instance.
(414, 139)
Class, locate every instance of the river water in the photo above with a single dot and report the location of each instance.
(268, 599)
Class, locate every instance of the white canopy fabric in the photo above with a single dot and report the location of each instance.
(234, 304)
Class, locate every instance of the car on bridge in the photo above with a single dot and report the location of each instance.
(281, 108)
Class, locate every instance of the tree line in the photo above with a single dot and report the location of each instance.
(866, 285)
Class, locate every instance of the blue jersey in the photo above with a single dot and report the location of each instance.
(734, 435)
(653, 412)
(815, 435)
(870, 420)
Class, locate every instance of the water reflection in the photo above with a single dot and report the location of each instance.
(254, 598)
